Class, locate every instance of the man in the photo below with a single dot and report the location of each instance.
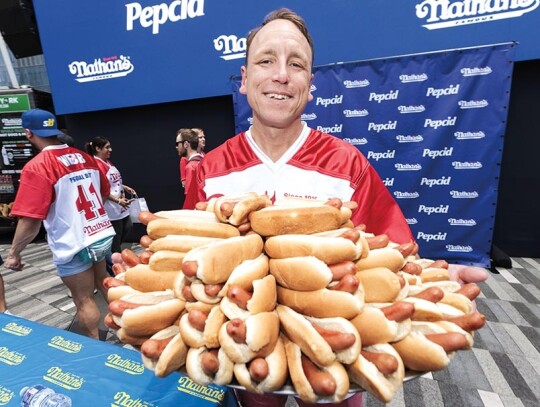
(187, 144)
(63, 187)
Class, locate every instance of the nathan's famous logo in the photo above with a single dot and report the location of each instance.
(210, 393)
(159, 14)
(230, 46)
(63, 379)
(65, 345)
(11, 357)
(445, 13)
(123, 399)
(17, 329)
(101, 68)
(355, 141)
(125, 365)
(5, 395)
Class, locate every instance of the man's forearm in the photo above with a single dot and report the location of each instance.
(27, 230)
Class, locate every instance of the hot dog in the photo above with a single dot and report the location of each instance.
(130, 258)
(313, 383)
(388, 257)
(384, 323)
(329, 249)
(164, 352)
(146, 313)
(276, 220)
(166, 260)
(242, 302)
(143, 278)
(306, 273)
(380, 370)
(214, 263)
(158, 228)
(243, 340)
(236, 209)
(381, 285)
(345, 208)
(323, 340)
(180, 243)
(117, 287)
(200, 328)
(205, 366)
(262, 375)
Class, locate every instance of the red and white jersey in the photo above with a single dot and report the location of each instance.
(114, 210)
(317, 166)
(64, 187)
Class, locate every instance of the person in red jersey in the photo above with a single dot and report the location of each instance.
(63, 187)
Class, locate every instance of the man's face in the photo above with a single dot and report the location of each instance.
(277, 78)
(182, 152)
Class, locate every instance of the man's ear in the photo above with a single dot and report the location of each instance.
(310, 96)
(243, 89)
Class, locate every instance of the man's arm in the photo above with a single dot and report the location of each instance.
(27, 230)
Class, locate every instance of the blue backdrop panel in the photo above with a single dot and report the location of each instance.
(432, 125)
(104, 54)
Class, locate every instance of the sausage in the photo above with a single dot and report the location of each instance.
(322, 382)
(406, 249)
(117, 307)
(118, 268)
(146, 241)
(335, 202)
(398, 311)
(469, 290)
(186, 293)
(145, 217)
(258, 369)
(240, 296)
(236, 328)
(401, 280)
(210, 362)
(469, 322)
(227, 208)
(378, 242)
(201, 206)
(189, 268)
(212, 290)
(412, 268)
(449, 341)
(439, 264)
(153, 348)
(432, 294)
(340, 270)
(244, 227)
(337, 340)
(130, 258)
(197, 319)
(415, 249)
(352, 234)
(385, 363)
(110, 282)
(145, 256)
(109, 321)
(348, 284)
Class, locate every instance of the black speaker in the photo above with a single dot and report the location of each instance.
(18, 27)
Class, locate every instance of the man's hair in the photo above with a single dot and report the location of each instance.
(190, 136)
(282, 14)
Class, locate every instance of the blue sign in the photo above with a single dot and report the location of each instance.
(432, 125)
(104, 54)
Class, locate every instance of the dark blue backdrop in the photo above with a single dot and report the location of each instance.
(432, 125)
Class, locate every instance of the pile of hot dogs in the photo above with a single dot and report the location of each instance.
(248, 292)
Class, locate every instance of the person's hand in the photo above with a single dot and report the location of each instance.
(123, 202)
(467, 274)
(130, 190)
(14, 262)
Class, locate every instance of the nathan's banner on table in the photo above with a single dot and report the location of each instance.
(433, 127)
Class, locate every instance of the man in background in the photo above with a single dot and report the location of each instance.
(187, 145)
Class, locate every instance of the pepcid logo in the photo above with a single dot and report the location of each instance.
(159, 14)
(372, 155)
(230, 46)
(378, 127)
(438, 92)
(16, 329)
(380, 97)
(5, 395)
(413, 78)
(436, 123)
(101, 68)
(435, 181)
(429, 210)
(388, 182)
(444, 13)
(336, 100)
(332, 129)
(356, 141)
(362, 83)
(473, 104)
(428, 237)
(355, 112)
(445, 152)
(485, 70)
(406, 195)
(458, 165)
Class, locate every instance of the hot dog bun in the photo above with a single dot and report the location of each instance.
(143, 278)
(158, 228)
(366, 373)
(387, 257)
(329, 249)
(301, 330)
(261, 332)
(277, 372)
(180, 243)
(305, 273)
(236, 209)
(277, 220)
(195, 366)
(166, 260)
(380, 284)
(208, 337)
(322, 303)
(246, 272)
(214, 263)
(263, 299)
(164, 361)
(302, 385)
